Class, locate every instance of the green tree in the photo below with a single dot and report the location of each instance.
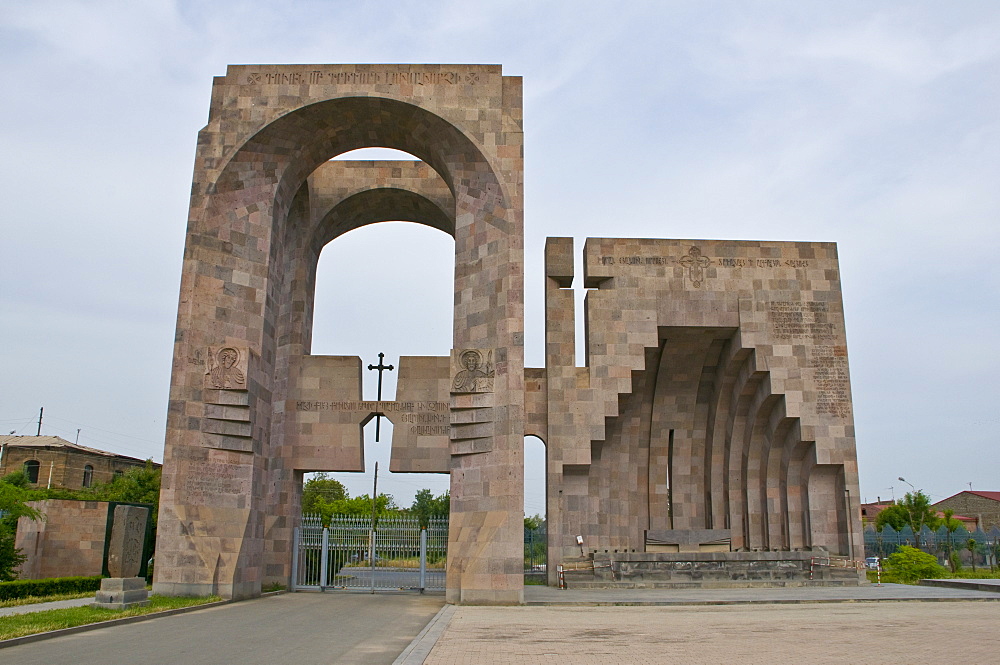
(973, 548)
(426, 505)
(914, 511)
(319, 487)
(908, 564)
(534, 522)
(951, 525)
(534, 543)
(14, 497)
(140, 484)
(359, 505)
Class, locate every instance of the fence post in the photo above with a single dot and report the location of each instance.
(296, 534)
(371, 554)
(423, 559)
(324, 564)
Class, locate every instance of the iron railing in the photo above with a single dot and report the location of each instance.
(349, 554)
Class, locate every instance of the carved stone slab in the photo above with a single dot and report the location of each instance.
(422, 423)
(227, 367)
(128, 532)
(473, 370)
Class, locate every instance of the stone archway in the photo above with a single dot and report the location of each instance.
(236, 440)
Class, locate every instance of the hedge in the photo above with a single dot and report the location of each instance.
(48, 587)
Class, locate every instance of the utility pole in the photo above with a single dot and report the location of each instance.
(371, 542)
(40, 411)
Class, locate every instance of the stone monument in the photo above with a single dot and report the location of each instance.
(715, 400)
(250, 409)
(124, 589)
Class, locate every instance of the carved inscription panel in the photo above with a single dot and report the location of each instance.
(800, 320)
(306, 75)
(832, 380)
(207, 480)
(420, 418)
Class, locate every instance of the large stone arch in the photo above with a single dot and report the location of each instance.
(254, 232)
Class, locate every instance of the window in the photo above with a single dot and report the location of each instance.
(88, 476)
(119, 473)
(31, 470)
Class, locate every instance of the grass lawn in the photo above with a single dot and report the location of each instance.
(963, 574)
(19, 625)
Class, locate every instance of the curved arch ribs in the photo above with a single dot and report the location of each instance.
(721, 408)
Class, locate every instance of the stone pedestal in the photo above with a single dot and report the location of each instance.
(121, 593)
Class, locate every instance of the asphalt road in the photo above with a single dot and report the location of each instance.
(300, 628)
(389, 578)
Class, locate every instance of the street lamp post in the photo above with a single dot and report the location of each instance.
(920, 527)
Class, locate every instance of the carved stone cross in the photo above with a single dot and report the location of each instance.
(381, 368)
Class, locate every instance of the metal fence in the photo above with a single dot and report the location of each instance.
(535, 549)
(349, 554)
(941, 543)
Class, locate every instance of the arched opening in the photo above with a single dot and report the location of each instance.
(535, 521)
(31, 468)
(261, 214)
(399, 302)
(88, 475)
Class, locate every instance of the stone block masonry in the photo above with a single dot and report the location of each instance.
(715, 398)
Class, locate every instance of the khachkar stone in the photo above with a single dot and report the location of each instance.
(251, 410)
(128, 533)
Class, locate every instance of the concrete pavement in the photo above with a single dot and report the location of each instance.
(854, 633)
(540, 595)
(39, 607)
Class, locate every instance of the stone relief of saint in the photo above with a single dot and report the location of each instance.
(477, 377)
(226, 374)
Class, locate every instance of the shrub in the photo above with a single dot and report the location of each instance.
(48, 587)
(909, 564)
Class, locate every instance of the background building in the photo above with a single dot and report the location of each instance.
(52, 461)
(984, 506)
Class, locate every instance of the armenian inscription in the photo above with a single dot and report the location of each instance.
(745, 262)
(210, 479)
(423, 418)
(832, 380)
(368, 77)
(800, 320)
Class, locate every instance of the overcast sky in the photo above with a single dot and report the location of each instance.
(872, 124)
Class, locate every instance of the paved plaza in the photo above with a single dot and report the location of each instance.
(841, 633)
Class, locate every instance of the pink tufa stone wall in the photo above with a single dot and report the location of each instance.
(68, 542)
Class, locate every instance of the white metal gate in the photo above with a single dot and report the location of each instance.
(349, 554)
